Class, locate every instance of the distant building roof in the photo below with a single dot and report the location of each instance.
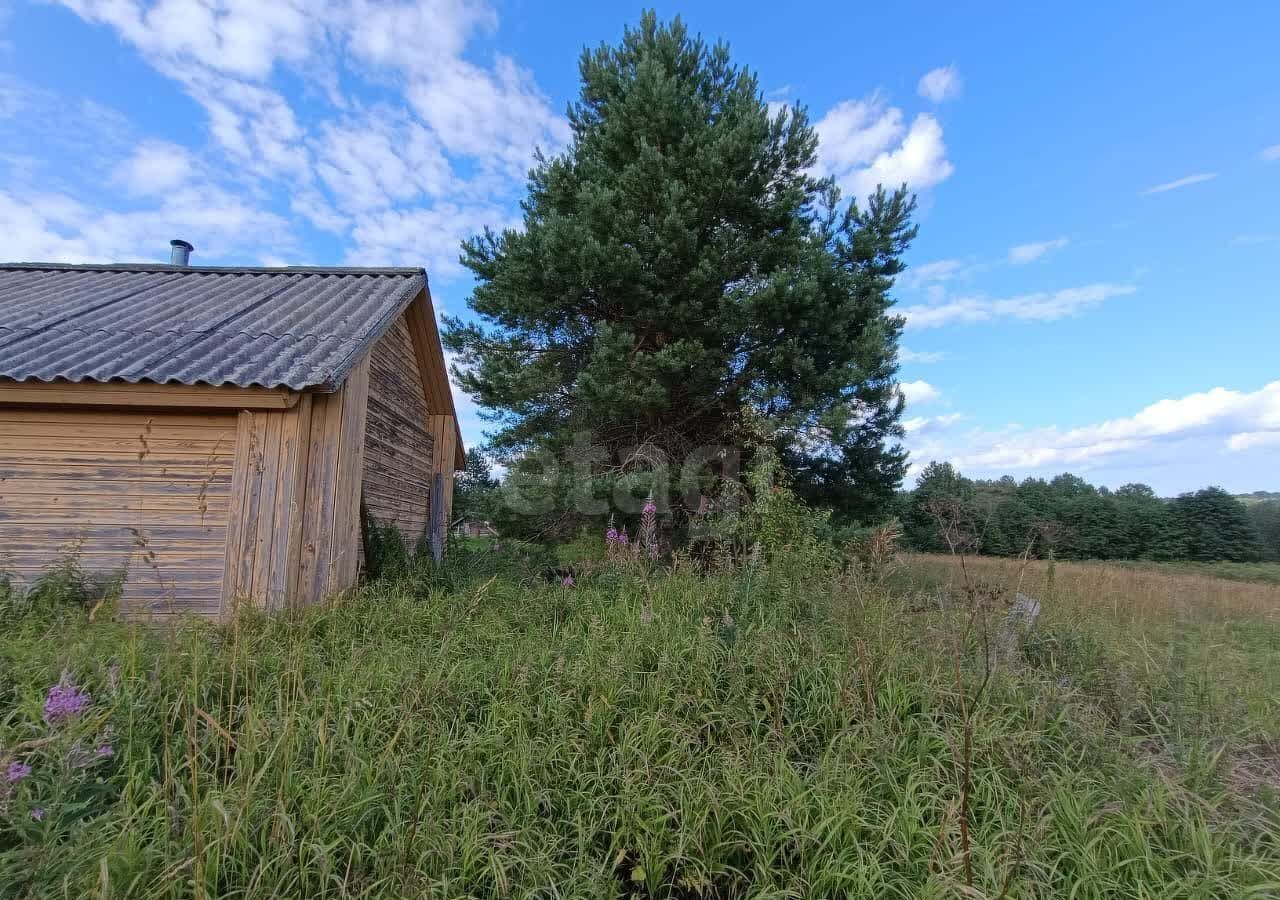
(298, 328)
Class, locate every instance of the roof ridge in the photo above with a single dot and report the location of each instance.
(388, 271)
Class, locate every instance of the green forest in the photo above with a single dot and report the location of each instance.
(1069, 518)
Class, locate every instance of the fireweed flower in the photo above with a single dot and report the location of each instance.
(37, 813)
(65, 701)
(650, 507)
(568, 581)
(16, 772)
(104, 751)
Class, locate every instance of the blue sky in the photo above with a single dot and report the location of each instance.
(1094, 287)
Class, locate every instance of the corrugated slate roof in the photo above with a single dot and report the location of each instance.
(295, 327)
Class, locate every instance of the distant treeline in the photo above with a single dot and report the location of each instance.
(1072, 519)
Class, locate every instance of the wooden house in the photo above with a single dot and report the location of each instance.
(214, 433)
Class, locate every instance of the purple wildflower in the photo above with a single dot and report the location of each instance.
(611, 536)
(650, 507)
(65, 701)
(104, 751)
(568, 581)
(37, 813)
(16, 772)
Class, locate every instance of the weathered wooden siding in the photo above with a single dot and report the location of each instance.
(330, 533)
(447, 453)
(146, 493)
(264, 533)
(398, 440)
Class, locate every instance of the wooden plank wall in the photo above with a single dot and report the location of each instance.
(294, 531)
(443, 430)
(331, 512)
(398, 439)
(264, 533)
(147, 493)
(446, 455)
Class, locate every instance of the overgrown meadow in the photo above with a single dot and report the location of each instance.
(796, 724)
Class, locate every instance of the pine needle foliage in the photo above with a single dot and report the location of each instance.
(680, 268)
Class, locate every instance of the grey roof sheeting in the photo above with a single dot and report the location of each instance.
(298, 328)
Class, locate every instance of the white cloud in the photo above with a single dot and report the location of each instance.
(1248, 440)
(1026, 253)
(920, 161)
(57, 228)
(377, 161)
(1181, 183)
(916, 356)
(244, 38)
(918, 425)
(865, 143)
(421, 235)
(918, 393)
(1035, 307)
(156, 167)
(931, 272)
(940, 84)
(497, 118)
(445, 155)
(1229, 419)
(1270, 154)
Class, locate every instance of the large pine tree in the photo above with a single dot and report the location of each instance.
(683, 279)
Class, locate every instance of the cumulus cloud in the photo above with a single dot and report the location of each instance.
(1041, 306)
(916, 356)
(918, 393)
(865, 143)
(240, 37)
(58, 228)
(940, 84)
(418, 235)
(156, 167)
(1026, 253)
(459, 137)
(918, 425)
(377, 160)
(1180, 183)
(1232, 420)
(931, 272)
(1248, 440)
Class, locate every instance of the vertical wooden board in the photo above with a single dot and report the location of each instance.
(446, 455)
(291, 509)
(444, 434)
(264, 544)
(318, 502)
(241, 479)
(346, 523)
(252, 505)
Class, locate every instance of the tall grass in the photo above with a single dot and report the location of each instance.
(765, 733)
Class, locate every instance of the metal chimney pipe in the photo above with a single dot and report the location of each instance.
(179, 252)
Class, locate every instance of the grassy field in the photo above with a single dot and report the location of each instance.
(1264, 572)
(771, 732)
